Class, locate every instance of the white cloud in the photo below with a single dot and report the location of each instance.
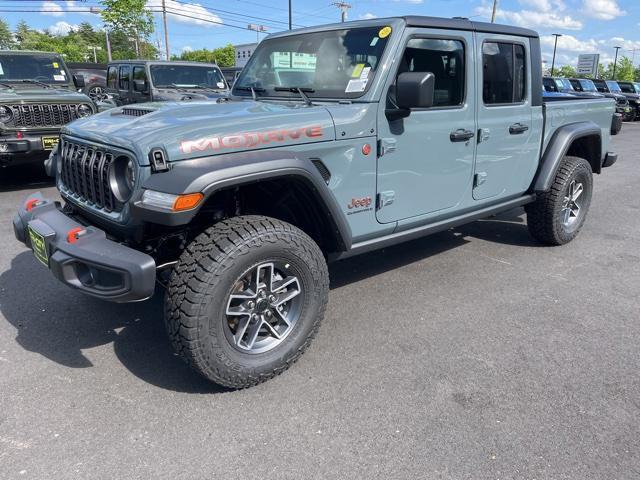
(192, 13)
(603, 9)
(51, 8)
(414, 2)
(368, 16)
(187, 48)
(535, 18)
(569, 47)
(61, 28)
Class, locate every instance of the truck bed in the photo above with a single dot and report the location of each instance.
(597, 110)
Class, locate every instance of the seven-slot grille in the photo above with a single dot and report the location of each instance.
(85, 174)
(43, 115)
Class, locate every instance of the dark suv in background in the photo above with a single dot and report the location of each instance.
(611, 89)
(95, 78)
(38, 96)
(139, 81)
(631, 90)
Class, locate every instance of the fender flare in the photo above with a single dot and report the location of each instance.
(214, 173)
(557, 148)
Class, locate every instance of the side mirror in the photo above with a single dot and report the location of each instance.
(415, 90)
(78, 81)
(140, 86)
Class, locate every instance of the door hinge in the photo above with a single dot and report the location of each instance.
(386, 145)
(479, 178)
(385, 198)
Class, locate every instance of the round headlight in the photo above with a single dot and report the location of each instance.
(84, 110)
(6, 114)
(122, 177)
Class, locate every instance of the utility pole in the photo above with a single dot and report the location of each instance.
(633, 55)
(97, 11)
(555, 46)
(344, 8)
(166, 31)
(615, 63)
(95, 56)
(290, 16)
(493, 14)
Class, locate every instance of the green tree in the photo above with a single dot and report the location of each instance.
(566, 71)
(6, 37)
(223, 56)
(130, 17)
(625, 70)
(636, 74)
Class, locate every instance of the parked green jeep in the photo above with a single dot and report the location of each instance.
(37, 97)
(337, 140)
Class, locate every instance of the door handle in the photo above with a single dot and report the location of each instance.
(518, 128)
(461, 135)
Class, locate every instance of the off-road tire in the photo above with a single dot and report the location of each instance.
(544, 215)
(202, 280)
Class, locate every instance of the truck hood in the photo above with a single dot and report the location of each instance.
(34, 93)
(194, 129)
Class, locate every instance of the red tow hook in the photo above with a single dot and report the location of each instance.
(74, 234)
(32, 203)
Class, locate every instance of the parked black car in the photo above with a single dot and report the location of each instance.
(95, 78)
(139, 81)
(564, 85)
(610, 88)
(631, 90)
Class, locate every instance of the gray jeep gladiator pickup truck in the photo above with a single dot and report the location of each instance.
(336, 140)
(37, 97)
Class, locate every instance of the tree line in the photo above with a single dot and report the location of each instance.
(625, 71)
(81, 42)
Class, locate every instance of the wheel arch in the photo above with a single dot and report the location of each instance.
(254, 181)
(582, 139)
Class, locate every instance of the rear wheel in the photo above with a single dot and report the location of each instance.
(245, 299)
(557, 216)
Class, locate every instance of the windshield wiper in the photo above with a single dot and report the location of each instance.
(253, 90)
(42, 84)
(300, 90)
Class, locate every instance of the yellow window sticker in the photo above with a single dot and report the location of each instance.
(357, 70)
(384, 32)
(55, 65)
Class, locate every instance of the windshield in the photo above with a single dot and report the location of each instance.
(613, 86)
(36, 67)
(335, 63)
(588, 86)
(563, 84)
(187, 76)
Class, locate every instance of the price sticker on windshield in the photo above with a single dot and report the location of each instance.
(384, 32)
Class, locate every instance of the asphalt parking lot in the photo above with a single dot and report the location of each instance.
(471, 354)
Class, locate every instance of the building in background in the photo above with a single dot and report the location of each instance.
(243, 53)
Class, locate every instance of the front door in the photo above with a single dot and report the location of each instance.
(431, 168)
(508, 143)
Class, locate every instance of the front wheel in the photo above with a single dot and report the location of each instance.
(557, 216)
(245, 299)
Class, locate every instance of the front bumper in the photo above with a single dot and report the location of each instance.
(91, 263)
(25, 149)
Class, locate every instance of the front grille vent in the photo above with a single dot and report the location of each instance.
(43, 115)
(85, 174)
(135, 112)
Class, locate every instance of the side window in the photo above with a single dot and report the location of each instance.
(504, 73)
(112, 77)
(139, 73)
(549, 85)
(125, 71)
(445, 59)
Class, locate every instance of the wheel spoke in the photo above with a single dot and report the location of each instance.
(293, 290)
(566, 215)
(282, 316)
(241, 330)
(252, 333)
(272, 330)
(267, 278)
(577, 191)
(238, 311)
(575, 210)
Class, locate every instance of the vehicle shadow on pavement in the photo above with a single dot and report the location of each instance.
(21, 177)
(59, 323)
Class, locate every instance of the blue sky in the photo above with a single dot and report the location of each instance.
(587, 26)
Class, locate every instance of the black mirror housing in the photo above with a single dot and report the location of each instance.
(78, 81)
(140, 85)
(415, 90)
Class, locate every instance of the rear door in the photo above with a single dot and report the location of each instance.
(507, 150)
(112, 80)
(431, 167)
